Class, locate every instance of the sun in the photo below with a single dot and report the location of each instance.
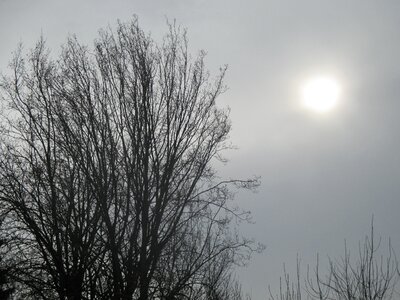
(320, 94)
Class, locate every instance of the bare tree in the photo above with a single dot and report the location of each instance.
(50, 200)
(289, 289)
(107, 166)
(371, 276)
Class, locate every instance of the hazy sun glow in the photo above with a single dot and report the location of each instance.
(320, 94)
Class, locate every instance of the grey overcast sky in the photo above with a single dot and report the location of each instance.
(323, 175)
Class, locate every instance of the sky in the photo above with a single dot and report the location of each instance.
(323, 175)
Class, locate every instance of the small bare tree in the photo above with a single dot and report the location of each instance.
(289, 289)
(370, 277)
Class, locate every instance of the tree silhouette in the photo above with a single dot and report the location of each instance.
(370, 276)
(107, 168)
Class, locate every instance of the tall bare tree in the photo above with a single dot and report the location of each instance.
(106, 165)
(49, 198)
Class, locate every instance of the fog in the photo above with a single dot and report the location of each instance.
(323, 176)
